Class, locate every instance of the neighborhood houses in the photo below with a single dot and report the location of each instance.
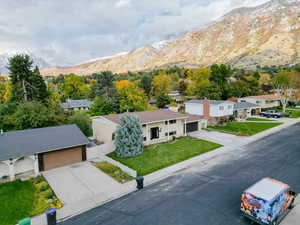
(194, 136)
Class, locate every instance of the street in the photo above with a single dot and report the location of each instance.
(208, 193)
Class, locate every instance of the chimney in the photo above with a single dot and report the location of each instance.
(206, 108)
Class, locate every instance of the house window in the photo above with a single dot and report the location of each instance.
(166, 122)
(172, 133)
(221, 107)
(229, 107)
(172, 121)
(145, 139)
(166, 134)
(257, 102)
(144, 125)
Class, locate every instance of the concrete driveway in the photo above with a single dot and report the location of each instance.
(79, 182)
(220, 138)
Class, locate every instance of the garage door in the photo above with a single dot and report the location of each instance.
(62, 158)
(191, 127)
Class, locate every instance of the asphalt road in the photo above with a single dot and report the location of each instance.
(205, 194)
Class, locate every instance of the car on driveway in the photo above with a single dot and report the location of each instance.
(272, 114)
(267, 202)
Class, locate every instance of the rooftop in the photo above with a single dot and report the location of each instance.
(149, 116)
(213, 102)
(245, 105)
(69, 104)
(267, 189)
(21, 143)
(266, 97)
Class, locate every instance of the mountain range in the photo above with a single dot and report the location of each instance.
(264, 35)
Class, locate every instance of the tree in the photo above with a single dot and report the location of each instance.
(82, 120)
(39, 88)
(129, 137)
(132, 98)
(102, 106)
(27, 85)
(105, 84)
(35, 115)
(198, 80)
(146, 84)
(161, 84)
(162, 101)
(5, 89)
(123, 84)
(220, 75)
(74, 87)
(283, 85)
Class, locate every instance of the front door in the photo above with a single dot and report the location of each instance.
(154, 133)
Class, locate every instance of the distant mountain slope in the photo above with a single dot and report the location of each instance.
(264, 35)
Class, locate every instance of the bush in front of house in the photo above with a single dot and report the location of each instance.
(129, 137)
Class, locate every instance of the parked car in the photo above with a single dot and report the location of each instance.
(267, 202)
(272, 113)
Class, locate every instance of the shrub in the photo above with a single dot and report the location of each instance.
(42, 186)
(48, 194)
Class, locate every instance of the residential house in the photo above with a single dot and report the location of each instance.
(264, 101)
(157, 125)
(81, 104)
(243, 110)
(212, 109)
(34, 150)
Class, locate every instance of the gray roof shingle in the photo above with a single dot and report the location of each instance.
(213, 102)
(245, 105)
(149, 116)
(70, 104)
(21, 143)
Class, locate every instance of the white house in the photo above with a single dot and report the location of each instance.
(264, 101)
(243, 110)
(210, 108)
(157, 125)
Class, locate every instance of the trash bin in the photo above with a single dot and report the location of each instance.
(26, 221)
(51, 216)
(139, 182)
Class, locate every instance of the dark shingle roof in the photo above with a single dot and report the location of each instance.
(27, 142)
(245, 105)
(213, 102)
(70, 104)
(192, 118)
(149, 116)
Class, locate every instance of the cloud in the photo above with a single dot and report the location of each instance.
(69, 32)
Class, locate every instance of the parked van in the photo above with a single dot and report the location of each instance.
(267, 202)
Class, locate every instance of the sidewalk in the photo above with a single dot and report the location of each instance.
(79, 207)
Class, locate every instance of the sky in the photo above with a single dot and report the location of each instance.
(67, 32)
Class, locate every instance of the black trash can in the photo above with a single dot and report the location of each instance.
(139, 182)
(51, 216)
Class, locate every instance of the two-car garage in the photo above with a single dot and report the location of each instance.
(195, 123)
(55, 159)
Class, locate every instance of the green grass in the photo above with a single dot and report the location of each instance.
(294, 113)
(257, 119)
(244, 128)
(113, 171)
(156, 157)
(22, 199)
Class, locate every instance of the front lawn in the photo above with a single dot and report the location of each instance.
(257, 119)
(156, 157)
(22, 199)
(294, 113)
(245, 128)
(113, 171)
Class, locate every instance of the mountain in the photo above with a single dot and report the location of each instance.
(40, 62)
(246, 37)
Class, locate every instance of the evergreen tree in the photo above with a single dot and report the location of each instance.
(162, 101)
(129, 137)
(20, 71)
(27, 85)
